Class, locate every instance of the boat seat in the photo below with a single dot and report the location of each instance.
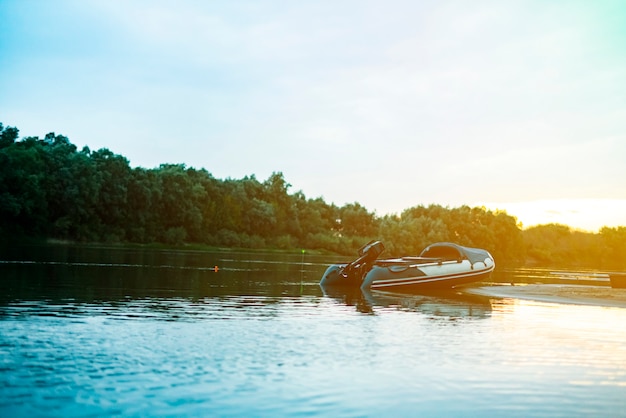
(422, 259)
(408, 261)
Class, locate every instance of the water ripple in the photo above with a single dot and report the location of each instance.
(118, 339)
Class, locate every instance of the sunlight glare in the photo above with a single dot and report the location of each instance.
(582, 214)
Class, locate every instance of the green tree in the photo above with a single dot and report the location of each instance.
(548, 244)
(113, 178)
(23, 203)
(613, 247)
(357, 221)
(50, 189)
(8, 136)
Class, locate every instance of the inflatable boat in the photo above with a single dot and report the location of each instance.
(440, 265)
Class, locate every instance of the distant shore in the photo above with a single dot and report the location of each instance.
(556, 293)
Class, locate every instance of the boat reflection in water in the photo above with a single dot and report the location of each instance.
(450, 304)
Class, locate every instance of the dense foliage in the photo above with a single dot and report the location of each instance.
(50, 189)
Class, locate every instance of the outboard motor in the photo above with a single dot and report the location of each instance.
(353, 273)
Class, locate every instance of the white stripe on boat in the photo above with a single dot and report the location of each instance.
(403, 281)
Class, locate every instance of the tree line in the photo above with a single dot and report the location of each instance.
(50, 189)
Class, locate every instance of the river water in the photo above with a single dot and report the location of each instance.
(88, 331)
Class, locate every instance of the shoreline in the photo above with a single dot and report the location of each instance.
(556, 293)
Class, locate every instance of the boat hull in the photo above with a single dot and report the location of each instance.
(430, 276)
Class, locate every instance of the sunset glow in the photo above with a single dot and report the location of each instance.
(582, 214)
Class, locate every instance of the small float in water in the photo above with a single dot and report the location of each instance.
(439, 266)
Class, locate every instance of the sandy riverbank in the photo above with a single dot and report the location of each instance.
(555, 293)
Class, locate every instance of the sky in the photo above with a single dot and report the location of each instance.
(512, 105)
